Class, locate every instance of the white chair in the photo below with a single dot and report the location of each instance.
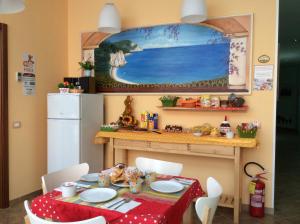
(52, 180)
(206, 206)
(158, 166)
(36, 220)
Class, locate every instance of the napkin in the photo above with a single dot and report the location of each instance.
(78, 185)
(183, 181)
(124, 208)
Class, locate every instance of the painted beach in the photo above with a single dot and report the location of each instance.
(164, 58)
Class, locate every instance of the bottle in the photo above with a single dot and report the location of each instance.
(225, 127)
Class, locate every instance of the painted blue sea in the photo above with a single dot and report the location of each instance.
(176, 65)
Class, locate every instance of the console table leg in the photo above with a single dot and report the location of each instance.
(237, 182)
(120, 155)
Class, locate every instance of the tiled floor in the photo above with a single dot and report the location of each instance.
(287, 189)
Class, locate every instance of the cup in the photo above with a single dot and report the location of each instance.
(229, 134)
(103, 180)
(68, 189)
(150, 177)
(135, 187)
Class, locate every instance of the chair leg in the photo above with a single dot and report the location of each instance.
(27, 221)
(206, 215)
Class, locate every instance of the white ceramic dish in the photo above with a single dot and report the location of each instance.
(166, 186)
(198, 134)
(91, 177)
(97, 195)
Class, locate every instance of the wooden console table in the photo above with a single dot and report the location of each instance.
(183, 144)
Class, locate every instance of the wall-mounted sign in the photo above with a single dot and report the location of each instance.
(263, 58)
(263, 77)
(28, 76)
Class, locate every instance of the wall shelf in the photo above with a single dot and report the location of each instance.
(218, 109)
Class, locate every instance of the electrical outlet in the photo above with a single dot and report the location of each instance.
(17, 124)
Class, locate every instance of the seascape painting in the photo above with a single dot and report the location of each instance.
(207, 57)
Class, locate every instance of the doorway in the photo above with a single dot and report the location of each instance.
(4, 188)
(287, 178)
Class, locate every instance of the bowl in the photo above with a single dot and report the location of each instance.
(197, 134)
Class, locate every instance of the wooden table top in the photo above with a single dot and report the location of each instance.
(181, 138)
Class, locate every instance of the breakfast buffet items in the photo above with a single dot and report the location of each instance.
(235, 101)
(215, 102)
(109, 127)
(204, 129)
(247, 130)
(173, 128)
(225, 127)
(205, 101)
(152, 121)
(169, 101)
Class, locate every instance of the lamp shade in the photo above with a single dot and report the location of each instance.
(193, 11)
(109, 19)
(11, 6)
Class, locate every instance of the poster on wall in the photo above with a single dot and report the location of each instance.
(263, 77)
(28, 77)
(213, 56)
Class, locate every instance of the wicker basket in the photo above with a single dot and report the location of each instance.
(169, 102)
(246, 133)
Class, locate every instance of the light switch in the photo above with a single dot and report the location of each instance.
(17, 124)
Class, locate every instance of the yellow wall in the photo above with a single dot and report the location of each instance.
(42, 31)
(84, 17)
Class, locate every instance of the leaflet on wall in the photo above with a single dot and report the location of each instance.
(28, 78)
(263, 77)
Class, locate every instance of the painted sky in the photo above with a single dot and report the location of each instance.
(161, 37)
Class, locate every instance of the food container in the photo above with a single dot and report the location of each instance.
(224, 103)
(150, 177)
(144, 120)
(104, 180)
(109, 127)
(246, 133)
(68, 189)
(205, 101)
(135, 187)
(169, 101)
(188, 103)
(215, 102)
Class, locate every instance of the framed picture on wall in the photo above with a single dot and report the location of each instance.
(213, 56)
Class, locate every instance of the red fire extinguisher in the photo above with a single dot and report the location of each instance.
(257, 192)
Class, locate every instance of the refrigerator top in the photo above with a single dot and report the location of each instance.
(64, 106)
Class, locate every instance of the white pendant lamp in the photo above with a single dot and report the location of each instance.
(11, 6)
(109, 19)
(193, 11)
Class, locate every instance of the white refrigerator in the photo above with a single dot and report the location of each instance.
(73, 121)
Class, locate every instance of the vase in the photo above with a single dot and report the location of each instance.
(64, 90)
(87, 73)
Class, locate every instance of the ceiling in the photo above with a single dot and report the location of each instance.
(289, 31)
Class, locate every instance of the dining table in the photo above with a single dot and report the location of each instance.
(149, 206)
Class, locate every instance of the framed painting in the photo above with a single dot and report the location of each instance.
(213, 56)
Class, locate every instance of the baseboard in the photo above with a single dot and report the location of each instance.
(269, 211)
(26, 197)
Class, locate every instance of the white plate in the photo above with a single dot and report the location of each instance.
(97, 195)
(121, 184)
(166, 186)
(91, 177)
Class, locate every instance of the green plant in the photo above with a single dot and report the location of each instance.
(66, 85)
(86, 65)
(169, 101)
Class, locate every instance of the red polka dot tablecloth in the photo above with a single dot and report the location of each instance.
(151, 210)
